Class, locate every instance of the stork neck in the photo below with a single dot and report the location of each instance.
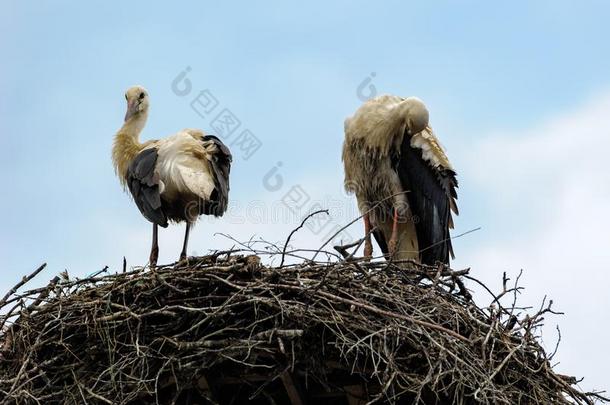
(127, 144)
(135, 124)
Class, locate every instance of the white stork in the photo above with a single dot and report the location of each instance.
(173, 179)
(402, 179)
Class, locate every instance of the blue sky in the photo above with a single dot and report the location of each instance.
(503, 83)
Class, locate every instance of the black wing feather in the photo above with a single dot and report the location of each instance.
(221, 168)
(431, 196)
(144, 186)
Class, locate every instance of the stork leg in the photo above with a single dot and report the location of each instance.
(393, 244)
(183, 255)
(368, 246)
(154, 250)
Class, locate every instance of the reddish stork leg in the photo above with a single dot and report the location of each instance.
(183, 255)
(368, 246)
(394, 239)
(154, 250)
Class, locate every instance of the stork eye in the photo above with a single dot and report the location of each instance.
(126, 97)
(141, 96)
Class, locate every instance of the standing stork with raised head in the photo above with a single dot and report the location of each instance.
(402, 179)
(177, 178)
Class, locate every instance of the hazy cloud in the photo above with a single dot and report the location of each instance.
(549, 188)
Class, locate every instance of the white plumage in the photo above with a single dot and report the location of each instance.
(183, 164)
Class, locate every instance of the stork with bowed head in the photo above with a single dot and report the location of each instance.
(402, 179)
(175, 179)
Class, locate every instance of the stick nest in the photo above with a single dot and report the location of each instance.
(226, 329)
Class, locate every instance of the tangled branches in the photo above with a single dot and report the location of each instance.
(226, 329)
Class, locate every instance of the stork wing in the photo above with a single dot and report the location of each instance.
(221, 167)
(143, 184)
(431, 192)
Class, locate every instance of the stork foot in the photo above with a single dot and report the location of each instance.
(393, 246)
(152, 261)
(183, 261)
(368, 250)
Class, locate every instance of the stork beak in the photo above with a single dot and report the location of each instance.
(132, 108)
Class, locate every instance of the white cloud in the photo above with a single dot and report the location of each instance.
(549, 188)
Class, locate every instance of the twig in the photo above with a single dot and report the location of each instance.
(295, 230)
(21, 283)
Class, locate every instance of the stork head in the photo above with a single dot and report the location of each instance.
(417, 115)
(137, 101)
